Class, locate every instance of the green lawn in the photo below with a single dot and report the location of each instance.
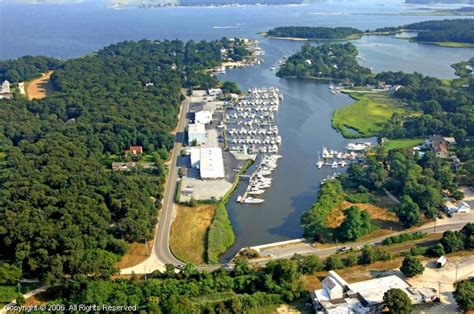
(9, 293)
(367, 116)
(402, 143)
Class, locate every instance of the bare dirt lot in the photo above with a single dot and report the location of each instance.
(39, 88)
(136, 254)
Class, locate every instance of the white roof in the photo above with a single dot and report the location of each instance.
(197, 128)
(211, 163)
(373, 290)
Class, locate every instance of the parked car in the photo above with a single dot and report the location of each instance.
(344, 249)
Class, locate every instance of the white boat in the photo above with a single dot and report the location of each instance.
(358, 146)
(320, 164)
(334, 164)
(326, 153)
(252, 200)
(272, 68)
(342, 163)
(239, 198)
(256, 192)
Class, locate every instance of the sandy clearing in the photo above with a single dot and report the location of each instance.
(39, 88)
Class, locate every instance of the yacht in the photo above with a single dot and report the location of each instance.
(252, 200)
(358, 146)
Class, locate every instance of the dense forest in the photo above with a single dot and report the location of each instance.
(336, 61)
(418, 182)
(457, 30)
(314, 32)
(26, 68)
(191, 291)
(62, 211)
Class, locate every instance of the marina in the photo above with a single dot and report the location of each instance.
(251, 130)
(340, 159)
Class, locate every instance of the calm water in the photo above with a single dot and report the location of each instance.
(67, 31)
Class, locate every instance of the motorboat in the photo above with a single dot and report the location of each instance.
(320, 164)
(334, 165)
(256, 192)
(252, 200)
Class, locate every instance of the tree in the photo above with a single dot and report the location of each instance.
(464, 295)
(334, 262)
(451, 241)
(436, 250)
(356, 224)
(20, 299)
(9, 274)
(407, 212)
(397, 301)
(411, 266)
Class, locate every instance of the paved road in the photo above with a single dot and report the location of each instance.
(161, 253)
(287, 251)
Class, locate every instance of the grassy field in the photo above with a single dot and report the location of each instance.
(9, 293)
(189, 232)
(402, 143)
(367, 115)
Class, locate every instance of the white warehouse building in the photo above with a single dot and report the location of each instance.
(196, 132)
(203, 117)
(209, 161)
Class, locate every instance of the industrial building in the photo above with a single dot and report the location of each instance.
(338, 296)
(203, 117)
(196, 133)
(209, 161)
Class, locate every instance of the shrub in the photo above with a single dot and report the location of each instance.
(403, 237)
(334, 262)
(397, 302)
(411, 266)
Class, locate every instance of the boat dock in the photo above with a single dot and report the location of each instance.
(251, 129)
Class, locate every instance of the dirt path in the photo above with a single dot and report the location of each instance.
(40, 87)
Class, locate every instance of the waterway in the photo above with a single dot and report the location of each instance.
(71, 30)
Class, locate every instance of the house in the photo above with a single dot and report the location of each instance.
(440, 145)
(5, 89)
(134, 150)
(196, 133)
(203, 117)
(338, 296)
(452, 207)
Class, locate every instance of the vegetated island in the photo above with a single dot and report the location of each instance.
(456, 33)
(464, 11)
(314, 33)
(63, 210)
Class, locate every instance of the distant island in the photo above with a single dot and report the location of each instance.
(458, 33)
(439, 1)
(315, 33)
(190, 3)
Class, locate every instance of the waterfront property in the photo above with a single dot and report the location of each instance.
(338, 296)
